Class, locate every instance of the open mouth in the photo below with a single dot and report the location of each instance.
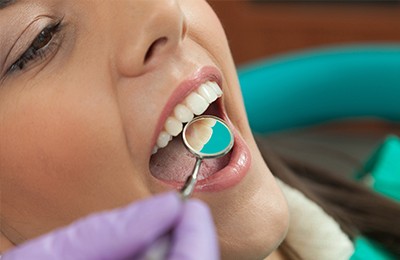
(171, 161)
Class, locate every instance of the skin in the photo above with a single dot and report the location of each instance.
(74, 126)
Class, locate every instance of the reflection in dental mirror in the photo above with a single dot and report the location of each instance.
(206, 137)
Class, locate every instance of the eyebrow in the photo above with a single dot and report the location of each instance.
(6, 3)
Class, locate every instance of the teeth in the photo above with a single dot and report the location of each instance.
(173, 126)
(183, 114)
(200, 133)
(216, 88)
(207, 93)
(163, 139)
(203, 133)
(195, 103)
(155, 149)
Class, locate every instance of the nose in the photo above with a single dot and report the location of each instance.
(153, 31)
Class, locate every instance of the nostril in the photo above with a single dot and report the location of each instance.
(153, 48)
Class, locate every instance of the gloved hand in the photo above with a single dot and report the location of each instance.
(129, 232)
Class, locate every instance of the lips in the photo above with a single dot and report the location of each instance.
(171, 163)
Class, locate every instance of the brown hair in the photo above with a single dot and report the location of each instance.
(357, 209)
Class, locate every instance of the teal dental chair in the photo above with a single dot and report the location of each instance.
(315, 86)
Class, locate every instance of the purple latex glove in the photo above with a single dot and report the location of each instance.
(128, 232)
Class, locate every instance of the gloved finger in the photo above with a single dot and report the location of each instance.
(114, 235)
(195, 236)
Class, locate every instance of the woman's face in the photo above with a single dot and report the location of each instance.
(87, 88)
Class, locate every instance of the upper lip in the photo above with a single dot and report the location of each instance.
(201, 76)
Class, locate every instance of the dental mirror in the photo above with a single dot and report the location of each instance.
(206, 137)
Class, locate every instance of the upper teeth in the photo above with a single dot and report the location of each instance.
(194, 104)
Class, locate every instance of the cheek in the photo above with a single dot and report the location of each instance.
(63, 155)
(41, 126)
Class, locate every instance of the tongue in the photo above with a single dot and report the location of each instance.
(175, 163)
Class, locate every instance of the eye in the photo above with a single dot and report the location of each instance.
(42, 39)
(43, 45)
